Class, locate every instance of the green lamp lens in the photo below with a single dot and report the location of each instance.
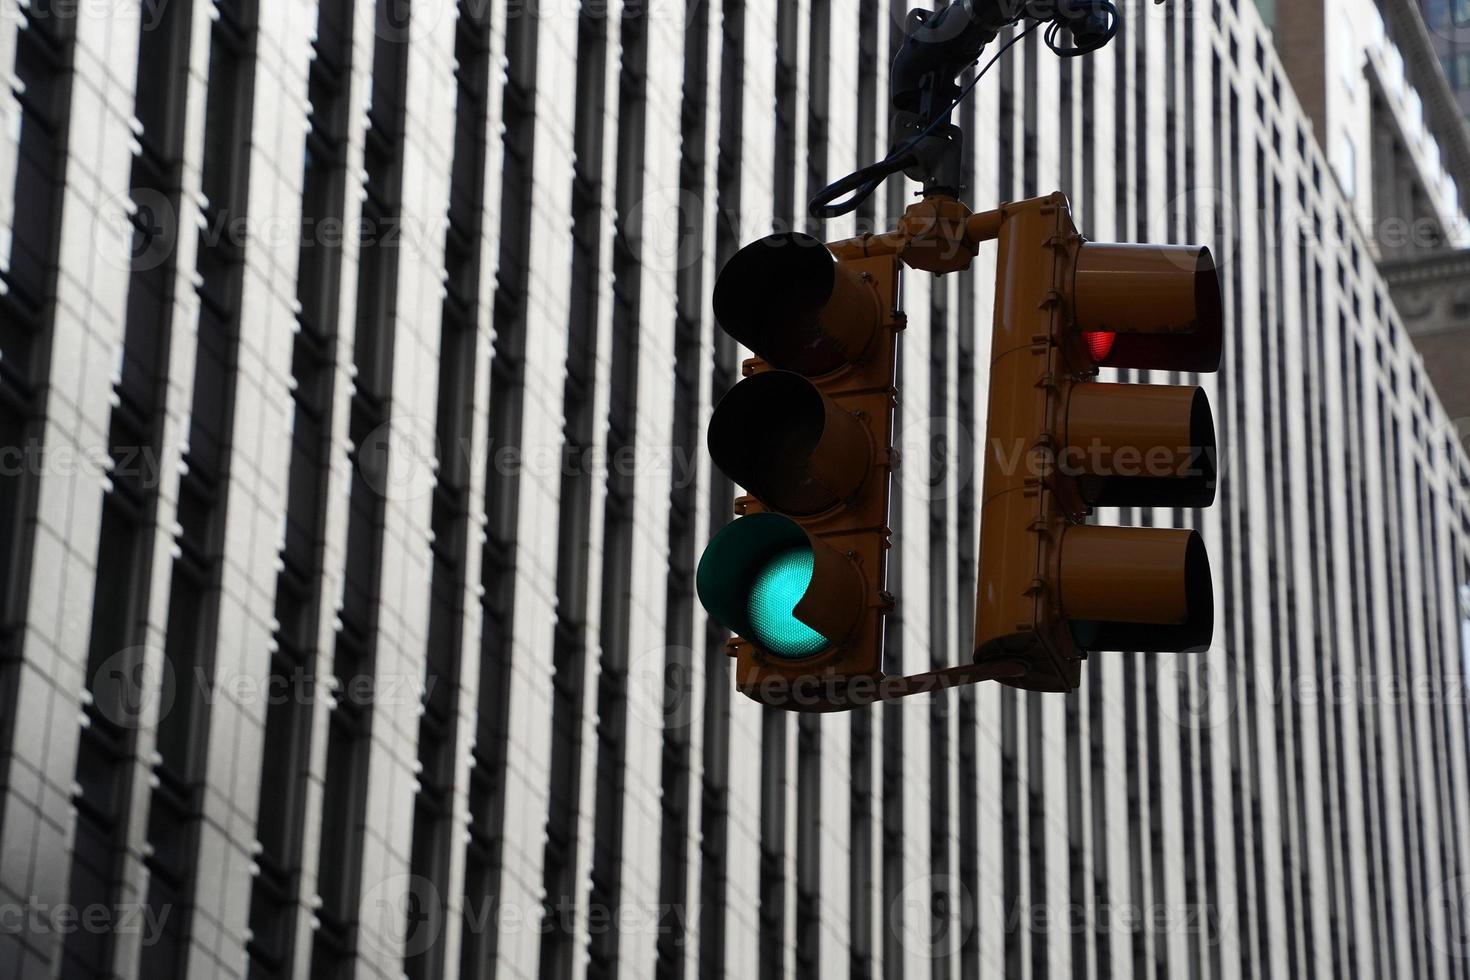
(773, 598)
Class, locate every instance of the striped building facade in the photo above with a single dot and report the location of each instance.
(355, 360)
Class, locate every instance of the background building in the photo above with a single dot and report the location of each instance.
(354, 365)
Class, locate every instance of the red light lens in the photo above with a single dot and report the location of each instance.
(1099, 344)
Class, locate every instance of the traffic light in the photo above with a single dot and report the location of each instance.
(799, 576)
(1053, 588)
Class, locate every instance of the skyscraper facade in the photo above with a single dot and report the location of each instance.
(355, 359)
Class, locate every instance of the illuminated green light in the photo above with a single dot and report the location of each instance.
(773, 598)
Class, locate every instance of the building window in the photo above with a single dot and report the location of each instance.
(1457, 68)
(1465, 622)
(1347, 162)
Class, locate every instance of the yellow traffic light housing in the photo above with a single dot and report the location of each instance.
(799, 576)
(1051, 587)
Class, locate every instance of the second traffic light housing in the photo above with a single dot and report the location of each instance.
(1059, 444)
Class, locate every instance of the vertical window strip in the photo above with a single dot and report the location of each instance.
(181, 750)
(776, 723)
(1137, 871)
(1442, 848)
(1006, 114)
(434, 831)
(1207, 685)
(1144, 213)
(678, 678)
(967, 478)
(892, 834)
(1098, 887)
(714, 803)
(1037, 831)
(1010, 806)
(862, 878)
(569, 648)
(509, 316)
(1193, 739)
(1342, 667)
(125, 547)
(1446, 669)
(1253, 751)
(1324, 619)
(44, 53)
(1364, 576)
(1290, 738)
(809, 765)
(1416, 877)
(941, 646)
(619, 505)
(1120, 129)
(354, 662)
(1238, 581)
(1030, 72)
(176, 803)
(275, 892)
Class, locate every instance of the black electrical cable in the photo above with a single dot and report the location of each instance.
(862, 183)
(1094, 42)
